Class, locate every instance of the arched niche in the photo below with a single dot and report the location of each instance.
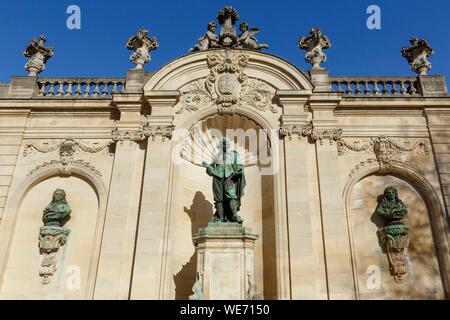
(427, 260)
(86, 194)
(193, 206)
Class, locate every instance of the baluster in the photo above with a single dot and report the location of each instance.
(394, 87)
(412, 87)
(96, 91)
(60, 88)
(376, 89)
(42, 89)
(357, 88)
(114, 89)
(403, 88)
(385, 89)
(339, 87)
(51, 91)
(87, 89)
(366, 87)
(69, 88)
(78, 89)
(348, 89)
(105, 89)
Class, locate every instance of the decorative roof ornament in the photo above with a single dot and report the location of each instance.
(38, 54)
(417, 55)
(314, 43)
(228, 37)
(142, 45)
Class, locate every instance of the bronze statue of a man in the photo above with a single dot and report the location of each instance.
(227, 171)
(57, 211)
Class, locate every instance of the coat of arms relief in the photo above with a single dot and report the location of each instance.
(227, 86)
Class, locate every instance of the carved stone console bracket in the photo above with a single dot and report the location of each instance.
(313, 134)
(396, 239)
(51, 239)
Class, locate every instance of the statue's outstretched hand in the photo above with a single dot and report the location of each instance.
(205, 164)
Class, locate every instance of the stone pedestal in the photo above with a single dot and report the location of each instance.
(224, 262)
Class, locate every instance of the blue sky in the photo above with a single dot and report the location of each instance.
(98, 49)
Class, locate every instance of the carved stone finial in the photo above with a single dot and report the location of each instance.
(142, 45)
(417, 55)
(395, 233)
(314, 43)
(228, 37)
(38, 54)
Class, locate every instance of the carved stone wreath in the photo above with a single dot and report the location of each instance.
(227, 86)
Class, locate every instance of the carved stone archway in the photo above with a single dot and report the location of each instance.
(37, 176)
(430, 197)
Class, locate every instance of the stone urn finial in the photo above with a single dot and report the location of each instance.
(38, 54)
(417, 55)
(314, 44)
(141, 44)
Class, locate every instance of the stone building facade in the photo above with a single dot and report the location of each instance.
(128, 151)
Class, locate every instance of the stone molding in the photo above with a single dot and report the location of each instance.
(145, 131)
(312, 133)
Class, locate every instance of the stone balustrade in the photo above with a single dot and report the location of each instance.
(80, 87)
(367, 86)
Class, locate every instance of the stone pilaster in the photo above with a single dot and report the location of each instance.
(12, 124)
(151, 265)
(334, 222)
(117, 252)
(306, 262)
(438, 120)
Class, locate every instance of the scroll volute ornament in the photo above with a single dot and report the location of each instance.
(395, 234)
(52, 236)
